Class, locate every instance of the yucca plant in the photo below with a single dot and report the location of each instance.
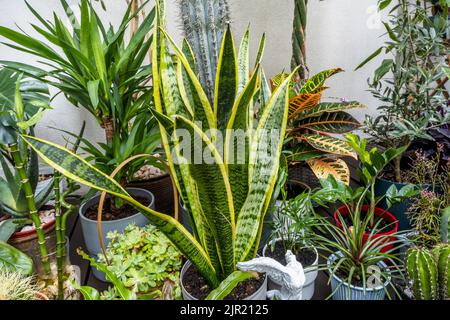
(312, 124)
(100, 70)
(226, 199)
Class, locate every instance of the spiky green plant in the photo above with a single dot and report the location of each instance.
(204, 23)
(442, 257)
(445, 225)
(423, 274)
(226, 198)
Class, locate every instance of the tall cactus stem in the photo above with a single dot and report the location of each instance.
(422, 272)
(299, 39)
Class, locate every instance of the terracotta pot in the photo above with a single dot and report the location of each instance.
(393, 224)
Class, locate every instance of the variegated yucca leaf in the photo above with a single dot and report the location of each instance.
(329, 144)
(317, 81)
(75, 168)
(336, 122)
(303, 102)
(323, 167)
(330, 107)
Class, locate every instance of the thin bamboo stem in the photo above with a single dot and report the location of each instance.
(33, 212)
(59, 235)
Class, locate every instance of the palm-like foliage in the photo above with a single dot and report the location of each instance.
(311, 123)
(226, 199)
(97, 69)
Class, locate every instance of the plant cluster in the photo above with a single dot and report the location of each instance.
(143, 259)
(16, 286)
(414, 102)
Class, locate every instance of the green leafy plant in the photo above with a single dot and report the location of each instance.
(409, 86)
(98, 69)
(144, 260)
(312, 124)
(22, 104)
(227, 214)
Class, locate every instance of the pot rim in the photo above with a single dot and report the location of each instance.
(378, 212)
(308, 268)
(85, 206)
(46, 226)
(189, 264)
(333, 256)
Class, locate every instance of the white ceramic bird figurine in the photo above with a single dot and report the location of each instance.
(291, 277)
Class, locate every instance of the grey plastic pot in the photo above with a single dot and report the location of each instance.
(89, 227)
(311, 273)
(260, 294)
(345, 291)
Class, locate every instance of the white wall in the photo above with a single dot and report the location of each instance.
(341, 33)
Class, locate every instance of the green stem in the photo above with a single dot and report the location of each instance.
(59, 235)
(33, 212)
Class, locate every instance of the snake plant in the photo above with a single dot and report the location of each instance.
(226, 199)
(312, 124)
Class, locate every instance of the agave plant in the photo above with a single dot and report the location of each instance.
(226, 199)
(99, 70)
(311, 123)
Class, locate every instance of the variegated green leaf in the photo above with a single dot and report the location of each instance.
(227, 285)
(77, 169)
(303, 152)
(243, 62)
(226, 81)
(330, 107)
(329, 144)
(317, 81)
(265, 152)
(338, 122)
(237, 143)
(211, 180)
(323, 167)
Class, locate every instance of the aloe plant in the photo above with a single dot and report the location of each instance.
(226, 200)
(204, 23)
(312, 123)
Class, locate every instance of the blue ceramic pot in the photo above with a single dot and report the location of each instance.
(345, 291)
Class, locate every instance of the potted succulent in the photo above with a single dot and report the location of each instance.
(105, 74)
(292, 225)
(411, 90)
(144, 260)
(227, 214)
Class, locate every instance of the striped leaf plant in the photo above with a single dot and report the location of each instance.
(313, 125)
(226, 199)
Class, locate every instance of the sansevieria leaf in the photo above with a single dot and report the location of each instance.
(323, 167)
(265, 152)
(77, 169)
(329, 144)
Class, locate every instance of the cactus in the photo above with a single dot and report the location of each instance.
(445, 224)
(204, 23)
(422, 272)
(442, 258)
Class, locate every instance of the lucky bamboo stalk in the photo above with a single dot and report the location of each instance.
(33, 212)
(59, 236)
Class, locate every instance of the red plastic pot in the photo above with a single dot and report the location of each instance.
(392, 221)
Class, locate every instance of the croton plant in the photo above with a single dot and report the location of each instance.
(313, 125)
